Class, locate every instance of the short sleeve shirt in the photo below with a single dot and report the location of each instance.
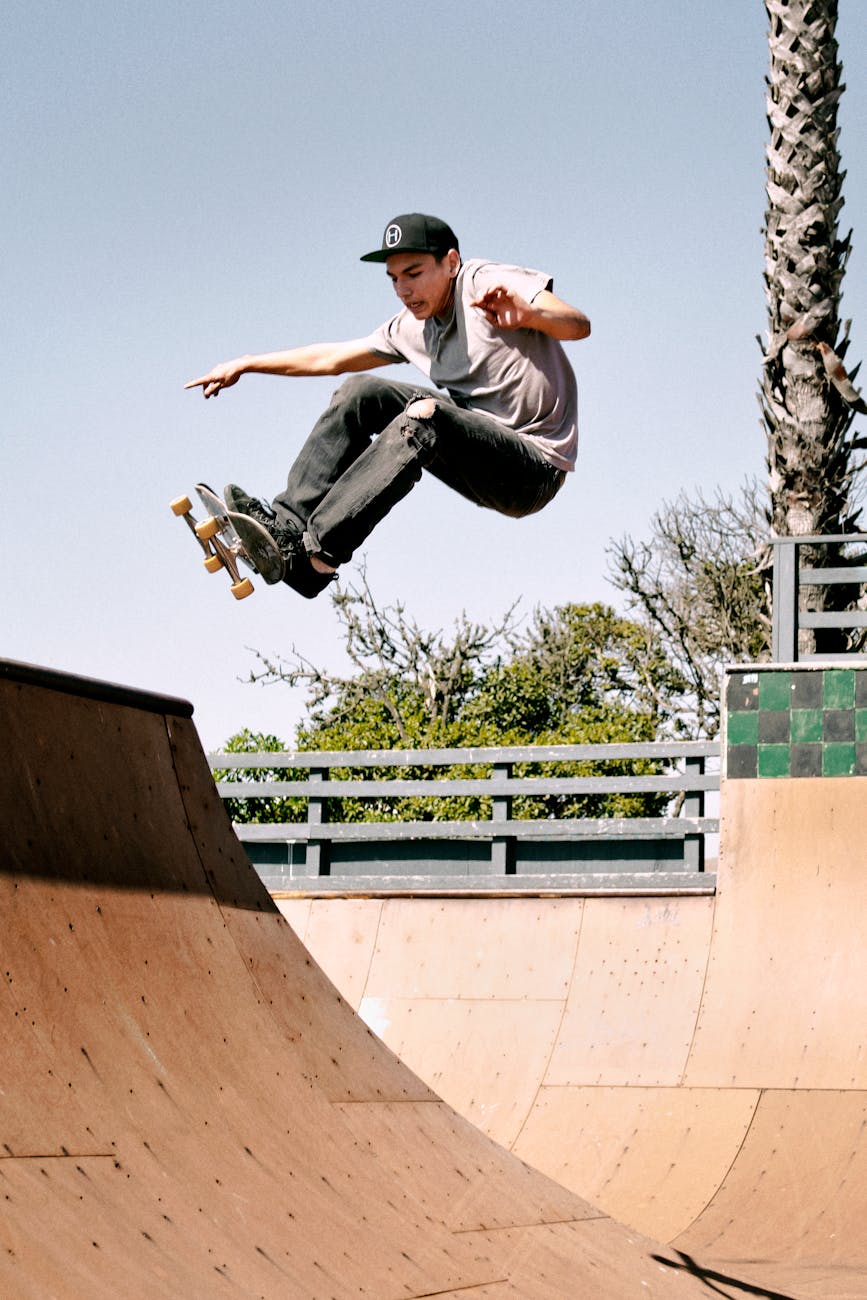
(520, 377)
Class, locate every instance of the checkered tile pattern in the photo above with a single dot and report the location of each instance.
(796, 722)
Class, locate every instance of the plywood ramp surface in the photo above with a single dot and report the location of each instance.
(786, 998)
(188, 1107)
(697, 1067)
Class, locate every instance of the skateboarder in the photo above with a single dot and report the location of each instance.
(503, 432)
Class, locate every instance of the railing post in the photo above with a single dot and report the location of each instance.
(318, 856)
(502, 846)
(784, 643)
(693, 806)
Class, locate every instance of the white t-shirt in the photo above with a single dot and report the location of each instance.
(520, 377)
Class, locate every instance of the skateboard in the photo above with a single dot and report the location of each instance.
(227, 538)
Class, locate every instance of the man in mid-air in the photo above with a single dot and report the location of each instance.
(503, 432)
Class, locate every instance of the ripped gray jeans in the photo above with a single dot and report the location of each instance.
(369, 448)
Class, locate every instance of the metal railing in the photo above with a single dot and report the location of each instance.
(790, 576)
(486, 852)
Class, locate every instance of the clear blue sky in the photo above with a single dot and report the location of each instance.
(185, 182)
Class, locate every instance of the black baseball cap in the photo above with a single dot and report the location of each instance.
(414, 232)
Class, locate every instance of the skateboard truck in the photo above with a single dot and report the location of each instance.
(219, 553)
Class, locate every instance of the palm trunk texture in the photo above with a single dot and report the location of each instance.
(810, 458)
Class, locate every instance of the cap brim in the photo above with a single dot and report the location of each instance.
(383, 254)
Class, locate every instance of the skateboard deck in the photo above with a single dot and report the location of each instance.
(227, 538)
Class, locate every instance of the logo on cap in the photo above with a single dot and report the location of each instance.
(393, 235)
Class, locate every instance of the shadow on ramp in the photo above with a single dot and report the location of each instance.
(720, 1283)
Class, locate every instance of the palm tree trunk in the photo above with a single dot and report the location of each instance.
(810, 460)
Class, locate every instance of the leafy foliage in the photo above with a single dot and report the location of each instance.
(578, 674)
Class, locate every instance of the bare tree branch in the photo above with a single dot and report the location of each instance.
(702, 585)
(393, 661)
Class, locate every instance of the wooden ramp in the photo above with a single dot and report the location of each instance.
(188, 1108)
(695, 1066)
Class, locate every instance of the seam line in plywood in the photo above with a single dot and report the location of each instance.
(59, 1155)
(460, 1290)
(373, 950)
(697, 1021)
(722, 1182)
(557, 1034)
(536, 1223)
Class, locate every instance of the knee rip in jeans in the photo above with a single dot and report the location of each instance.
(416, 426)
(421, 408)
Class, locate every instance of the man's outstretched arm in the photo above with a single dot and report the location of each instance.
(314, 359)
(547, 313)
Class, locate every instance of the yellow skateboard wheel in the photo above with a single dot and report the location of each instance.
(207, 529)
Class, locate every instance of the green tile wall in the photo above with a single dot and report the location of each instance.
(793, 722)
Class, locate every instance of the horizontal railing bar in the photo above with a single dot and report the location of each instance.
(832, 657)
(847, 618)
(439, 757)
(831, 577)
(816, 539)
(441, 788)
(615, 828)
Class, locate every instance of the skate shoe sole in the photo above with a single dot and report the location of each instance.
(260, 547)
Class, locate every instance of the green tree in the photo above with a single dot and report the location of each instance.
(579, 674)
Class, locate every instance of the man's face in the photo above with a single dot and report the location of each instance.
(424, 285)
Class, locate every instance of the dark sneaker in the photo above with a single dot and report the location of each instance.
(301, 576)
(297, 570)
(243, 504)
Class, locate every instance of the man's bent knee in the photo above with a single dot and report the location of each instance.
(419, 428)
(358, 386)
(422, 409)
